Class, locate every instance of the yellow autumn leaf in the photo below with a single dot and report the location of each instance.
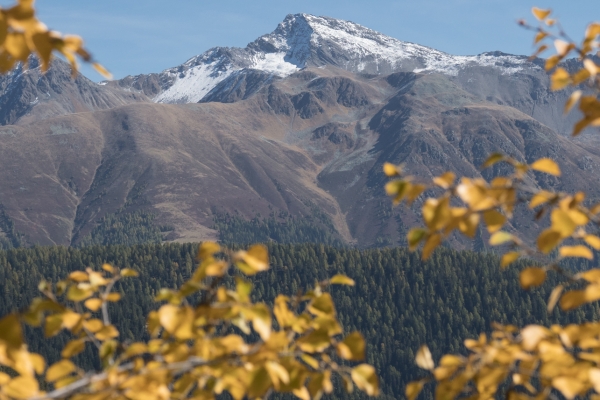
(562, 223)
(302, 393)
(593, 241)
(540, 198)
(73, 348)
(310, 361)
(548, 240)
(113, 297)
(390, 169)
(256, 259)
(569, 386)
(217, 268)
(591, 275)
(414, 237)
(576, 251)
(314, 342)
(540, 14)
(60, 370)
(76, 294)
(260, 383)
(107, 332)
(445, 180)
(11, 332)
(261, 321)
(322, 305)
(559, 79)
(591, 67)
(352, 347)
(396, 188)
(413, 389)
(494, 220)
(532, 276)
(38, 362)
(546, 165)
(424, 359)
(79, 276)
(572, 299)
(594, 376)
(93, 325)
(493, 159)
(101, 70)
(108, 268)
(277, 373)
(592, 293)
(500, 237)
(532, 335)
(540, 36)
(554, 297)
(573, 99)
(340, 279)
(551, 62)
(562, 47)
(128, 272)
(21, 387)
(4, 378)
(430, 245)
(207, 250)
(365, 378)
(93, 304)
(468, 225)
(509, 258)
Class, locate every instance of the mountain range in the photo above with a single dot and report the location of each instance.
(298, 122)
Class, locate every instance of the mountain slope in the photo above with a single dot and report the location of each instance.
(181, 163)
(296, 124)
(29, 95)
(316, 138)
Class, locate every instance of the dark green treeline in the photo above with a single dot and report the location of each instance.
(398, 302)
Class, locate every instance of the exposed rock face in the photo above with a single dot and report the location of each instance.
(302, 117)
(29, 95)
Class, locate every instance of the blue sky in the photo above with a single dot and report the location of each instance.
(139, 36)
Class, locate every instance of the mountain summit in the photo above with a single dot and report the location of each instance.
(304, 40)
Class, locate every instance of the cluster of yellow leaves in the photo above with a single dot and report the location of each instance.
(225, 343)
(586, 76)
(533, 362)
(464, 205)
(22, 34)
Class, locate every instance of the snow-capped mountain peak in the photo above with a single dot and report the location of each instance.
(303, 40)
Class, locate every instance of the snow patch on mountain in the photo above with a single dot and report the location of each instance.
(193, 85)
(361, 43)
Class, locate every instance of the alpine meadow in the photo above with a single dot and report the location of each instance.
(326, 212)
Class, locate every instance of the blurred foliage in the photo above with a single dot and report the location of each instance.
(536, 361)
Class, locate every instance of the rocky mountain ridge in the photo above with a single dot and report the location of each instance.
(304, 40)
